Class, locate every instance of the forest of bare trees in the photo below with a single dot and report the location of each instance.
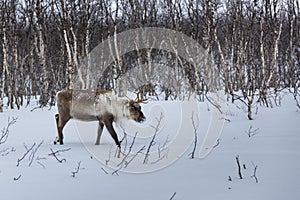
(255, 44)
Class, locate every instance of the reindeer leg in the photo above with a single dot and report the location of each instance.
(57, 121)
(60, 122)
(99, 132)
(108, 120)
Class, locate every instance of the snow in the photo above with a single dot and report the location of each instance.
(274, 149)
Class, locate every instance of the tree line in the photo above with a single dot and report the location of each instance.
(254, 44)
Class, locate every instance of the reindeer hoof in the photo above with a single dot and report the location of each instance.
(56, 141)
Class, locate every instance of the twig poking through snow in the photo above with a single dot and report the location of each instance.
(129, 151)
(239, 167)
(124, 138)
(195, 126)
(254, 172)
(77, 169)
(115, 172)
(33, 152)
(54, 154)
(25, 154)
(41, 164)
(17, 178)
(152, 142)
(214, 103)
(4, 152)
(134, 156)
(172, 197)
(217, 143)
(104, 170)
(252, 132)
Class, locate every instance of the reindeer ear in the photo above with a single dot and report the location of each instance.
(131, 102)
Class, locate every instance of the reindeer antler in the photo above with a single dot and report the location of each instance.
(139, 97)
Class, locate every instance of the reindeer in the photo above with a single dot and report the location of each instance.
(102, 106)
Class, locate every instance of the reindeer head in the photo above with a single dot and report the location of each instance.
(135, 111)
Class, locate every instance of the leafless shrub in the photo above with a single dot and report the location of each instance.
(28, 150)
(5, 131)
(108, 160)
(129, 151)
(214, 103)
(240, 168)
(160, 151)
(254, 172)
(124, 139)
(128, 157)
(134, 156)
(77, 169)
(152, 142)
(33, 152)
(296, 95)
(252, 132)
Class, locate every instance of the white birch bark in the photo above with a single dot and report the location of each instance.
(5, 65)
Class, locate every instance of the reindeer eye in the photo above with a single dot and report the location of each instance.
(132, 108)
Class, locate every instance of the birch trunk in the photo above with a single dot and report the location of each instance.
(70, 63)
(5, 65)
(274, 70)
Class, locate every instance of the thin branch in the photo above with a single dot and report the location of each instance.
(239, 167)
(129, 151)
(195, 126)
(33, 152)
(124, 138)
(252, 132)
(41, 106)
(59, 151)
(77, 169)
(160, 158)
(152, 142)
(5, 131)
(160, 150)
(17, 178)
(296, 100)
(41, 164)
(217, 143)
(56, 153)
(254, 172)
(172, 197)
(4, 152)
(116, 172)
(214, 104)
(25, 154)
(104, 170)
(133, 140)
(109, 155)
(134, 156)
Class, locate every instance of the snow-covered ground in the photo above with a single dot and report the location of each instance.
(274, 148)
